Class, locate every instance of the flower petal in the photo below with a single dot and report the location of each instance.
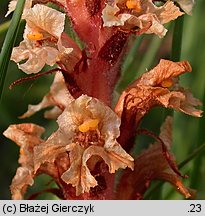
(27, 136)
(75, 114)
(164, 70)
(58, 96)
(115, 13)
(51, 149)
(12, 6)
(36, 57)
(109, 121)
(115, 158)
(45, 18)
(158, 87)
(182, 101)
(149, 165)
(78, 174)
(23, 134)
(20, 182)
(186, 5)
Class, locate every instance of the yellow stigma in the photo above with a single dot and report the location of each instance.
(21, 151)
(167, 83)
(134, 4)
(90, 124)
(35, 36)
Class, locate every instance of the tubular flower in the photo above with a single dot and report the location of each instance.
(58, 97)
(138, 14)
(26, 136)
(87, 130)
(158, 87)
(42, 39)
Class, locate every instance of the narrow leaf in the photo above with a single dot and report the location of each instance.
(9, 43)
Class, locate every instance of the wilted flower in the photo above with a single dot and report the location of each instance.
(138, 14)
(13, 3)
(87, 130)
(151, 165)
(158, 87)
(58, 97)
(26, 136)
(86, 148)
(42, 39)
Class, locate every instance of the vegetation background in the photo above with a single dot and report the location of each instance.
(143, 53)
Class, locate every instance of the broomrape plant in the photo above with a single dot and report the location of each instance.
(94, 139)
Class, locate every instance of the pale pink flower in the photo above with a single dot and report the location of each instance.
(42, 39)
(88, 131)
(138, 14)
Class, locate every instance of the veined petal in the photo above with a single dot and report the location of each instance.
(115, 158)
(78, 174)
(75, 114)
(46, 19)
(149, 165)
(109, 121)
(144, 15)
(51, 149)
(13, 3)
(24, 133)
(42, 39)
(163, 71)
(21, 52)
(158, 87)
(182, 101)
(27, 136)
(186, 5)
(20, 182)
(87, 128)
(58, 96)
(37, 59)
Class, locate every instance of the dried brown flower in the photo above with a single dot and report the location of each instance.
(58, 97)
(87, 131)
(158, 87)
(150, 165)
(26, 136)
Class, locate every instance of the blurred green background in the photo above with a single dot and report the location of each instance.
(144, 53)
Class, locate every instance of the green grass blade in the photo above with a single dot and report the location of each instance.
(128, 74)
(4, 27)
(9, 43)
(177, 39)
